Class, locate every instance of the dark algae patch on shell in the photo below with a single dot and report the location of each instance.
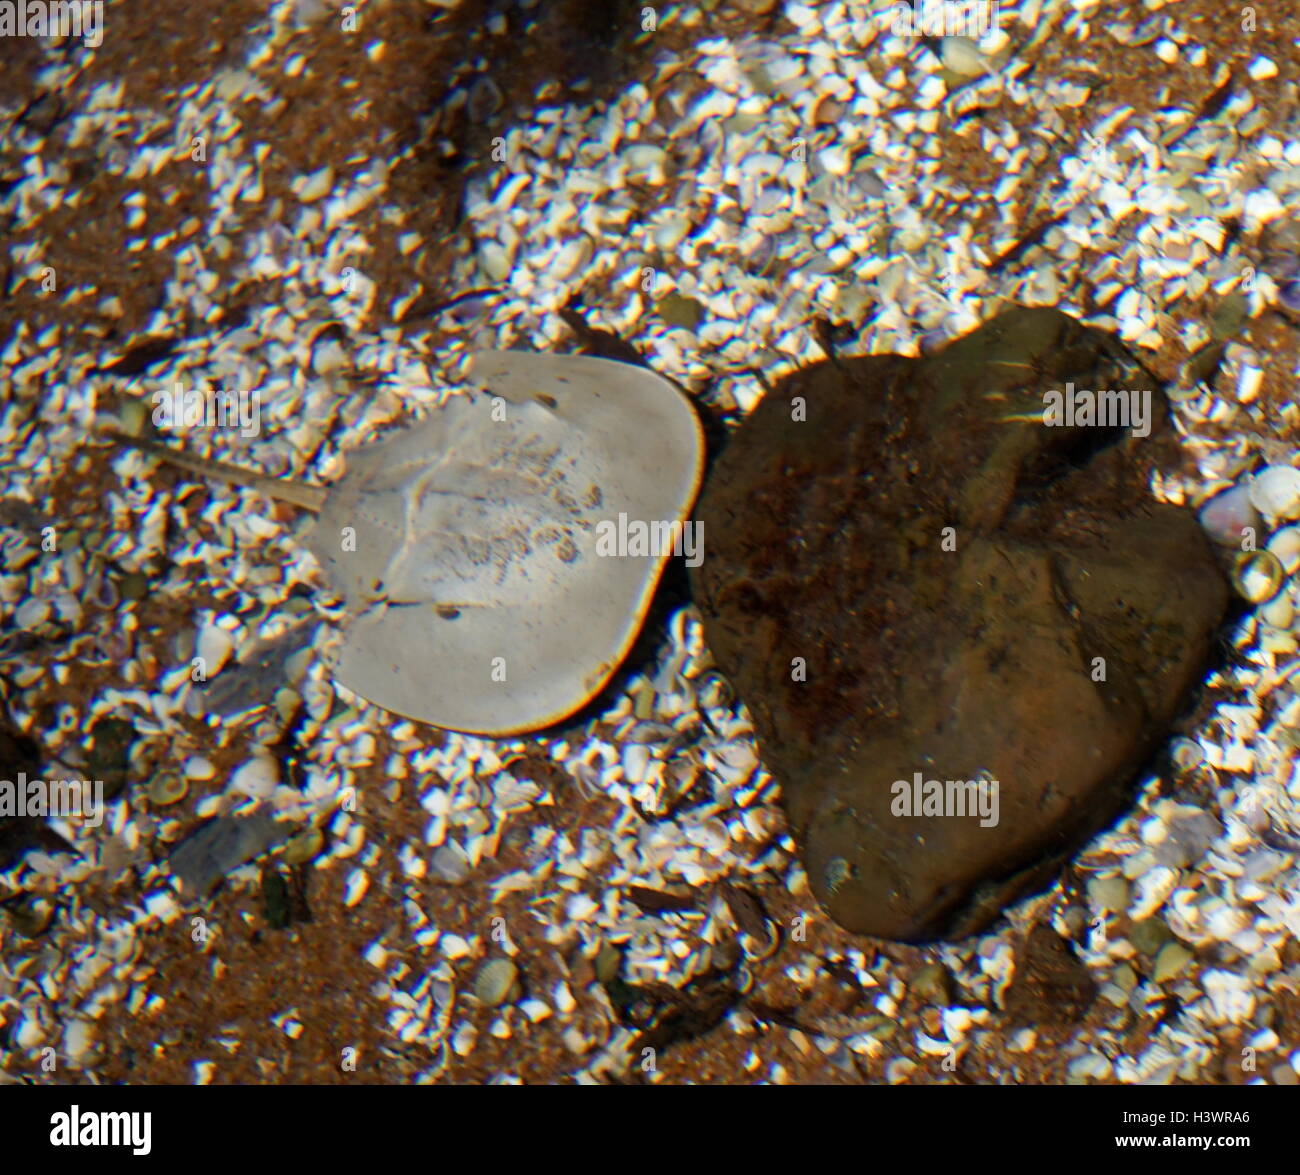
(909, 576)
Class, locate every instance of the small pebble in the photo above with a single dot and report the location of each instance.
(1226, 515)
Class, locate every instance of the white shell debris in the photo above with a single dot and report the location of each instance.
(1285, 545)
(497, 980)
(309, 188)
(355, 887)
(257, 777)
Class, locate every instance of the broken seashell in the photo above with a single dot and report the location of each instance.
(1275, 491)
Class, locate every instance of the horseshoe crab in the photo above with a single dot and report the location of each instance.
(466, 548)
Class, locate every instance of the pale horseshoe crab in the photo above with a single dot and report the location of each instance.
(465, 545)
